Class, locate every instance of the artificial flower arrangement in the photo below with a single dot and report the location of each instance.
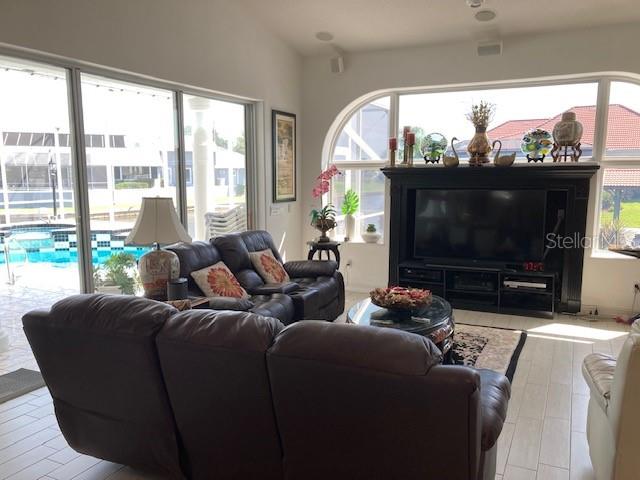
(400, 298)
(324, 219)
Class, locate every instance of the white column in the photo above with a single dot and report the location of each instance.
(201, 161)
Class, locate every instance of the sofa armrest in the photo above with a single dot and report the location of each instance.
(311, 268)
(598, 370)
(271, 288)
(495, 391)
(230, 303)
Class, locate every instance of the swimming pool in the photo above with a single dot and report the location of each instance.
(57, 244)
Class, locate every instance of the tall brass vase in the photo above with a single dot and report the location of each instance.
(479, 147)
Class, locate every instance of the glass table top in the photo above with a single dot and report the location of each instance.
(435, 315)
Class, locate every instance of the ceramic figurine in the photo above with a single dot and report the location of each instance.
(536, 144)
(504, 160)
(434, 146)
(453, 160)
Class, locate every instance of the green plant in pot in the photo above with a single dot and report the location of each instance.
(324, 220)
(119, 274)
(371, 235)
(350, 206)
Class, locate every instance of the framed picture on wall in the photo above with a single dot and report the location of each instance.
(284, 156)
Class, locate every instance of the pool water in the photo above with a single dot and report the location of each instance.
(57, 246)
(65, 257)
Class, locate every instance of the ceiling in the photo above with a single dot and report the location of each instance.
(361, 25)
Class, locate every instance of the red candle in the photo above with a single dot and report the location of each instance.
(411, 138)
(393, 143)
(405, 131)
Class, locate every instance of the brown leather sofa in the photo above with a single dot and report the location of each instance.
(209, 394)
(315, 292)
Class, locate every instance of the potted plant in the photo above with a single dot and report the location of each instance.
(119, 274)
(324, 220)
(371, 235)
(349, 208)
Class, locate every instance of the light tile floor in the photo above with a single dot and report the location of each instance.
(543, 438)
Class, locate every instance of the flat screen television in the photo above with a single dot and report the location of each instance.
(484, 225)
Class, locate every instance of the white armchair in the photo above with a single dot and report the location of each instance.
(613, 423)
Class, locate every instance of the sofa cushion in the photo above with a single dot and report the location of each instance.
(270, 269)
(278, 306)
(495, 391)
(598, 370)
(215, 369)
(218, 281)
(235, 255)
(98, 357)
(194, 256)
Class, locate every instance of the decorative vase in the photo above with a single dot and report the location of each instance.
(349, 227)
(371, 237)
(567, 134)
(568, 131)
(479, 147)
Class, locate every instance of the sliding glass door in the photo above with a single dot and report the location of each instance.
(38, 235)
(216, 166)
(130, 144)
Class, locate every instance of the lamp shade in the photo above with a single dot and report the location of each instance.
(158, 223)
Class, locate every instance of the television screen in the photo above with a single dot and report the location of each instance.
(490, 225)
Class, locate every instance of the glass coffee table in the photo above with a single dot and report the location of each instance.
(435, 321)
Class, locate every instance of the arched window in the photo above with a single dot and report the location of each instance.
(359, 151)
(608, 108)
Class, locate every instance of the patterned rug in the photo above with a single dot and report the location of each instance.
(486, 347)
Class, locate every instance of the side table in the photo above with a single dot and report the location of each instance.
(327, 247)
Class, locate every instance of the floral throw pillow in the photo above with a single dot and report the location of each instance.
(218, 281)
(269, 268)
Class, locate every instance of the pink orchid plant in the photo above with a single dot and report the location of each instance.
(323, 181)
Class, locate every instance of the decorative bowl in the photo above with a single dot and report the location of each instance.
(400, 298)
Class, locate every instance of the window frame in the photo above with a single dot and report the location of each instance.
(78, 142)
(603, 80)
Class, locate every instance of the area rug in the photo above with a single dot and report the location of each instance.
(487, 347)
(18, 383)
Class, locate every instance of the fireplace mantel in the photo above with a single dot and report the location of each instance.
(571, 180)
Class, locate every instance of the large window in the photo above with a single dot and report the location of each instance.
(216, 177)
(131, 139)
(360, 151)
(619, 217)
(360, 146)
(37, 215)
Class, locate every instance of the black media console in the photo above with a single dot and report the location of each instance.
(484, 289)
(544, 285)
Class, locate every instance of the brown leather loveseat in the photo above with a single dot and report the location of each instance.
(209, 394)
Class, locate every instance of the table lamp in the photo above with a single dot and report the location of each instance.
(157, 224)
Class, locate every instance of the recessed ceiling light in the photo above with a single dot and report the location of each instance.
(324, 36)
(485, 15)
(475, 3)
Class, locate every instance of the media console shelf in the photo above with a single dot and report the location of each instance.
(484, 289)
(556, 195)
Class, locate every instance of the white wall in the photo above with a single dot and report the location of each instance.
(607, 283)
(212, 44)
